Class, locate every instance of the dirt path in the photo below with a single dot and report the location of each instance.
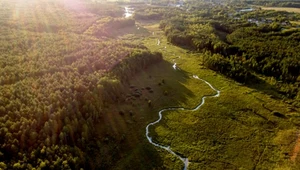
(296, 150)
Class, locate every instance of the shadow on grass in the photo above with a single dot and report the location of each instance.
(127, 31)
(166, 84)
(264, 87)
(114, 155)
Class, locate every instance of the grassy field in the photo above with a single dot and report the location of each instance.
(238, 130)
(297, 10)
(295, 22)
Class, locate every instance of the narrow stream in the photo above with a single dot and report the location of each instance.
(167, 148)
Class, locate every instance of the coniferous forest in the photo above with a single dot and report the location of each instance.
(56, 80)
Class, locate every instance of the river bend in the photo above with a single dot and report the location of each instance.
(167, 148)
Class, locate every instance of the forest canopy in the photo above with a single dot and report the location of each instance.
(57, 78)
(242, 45)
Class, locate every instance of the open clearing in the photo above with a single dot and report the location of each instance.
(297, 10)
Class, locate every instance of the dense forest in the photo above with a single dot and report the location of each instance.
(242, 45)
(56, 81)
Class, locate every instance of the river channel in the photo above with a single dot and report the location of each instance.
(167, 148)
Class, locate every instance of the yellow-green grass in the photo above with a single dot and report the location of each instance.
(131, 31)
(295, 22)
(297, 10)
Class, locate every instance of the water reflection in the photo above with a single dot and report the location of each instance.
(128, 12)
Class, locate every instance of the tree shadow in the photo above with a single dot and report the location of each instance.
(129, 32)
(264, 87)
(162, 84)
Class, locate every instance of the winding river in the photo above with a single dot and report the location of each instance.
(167, 148)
